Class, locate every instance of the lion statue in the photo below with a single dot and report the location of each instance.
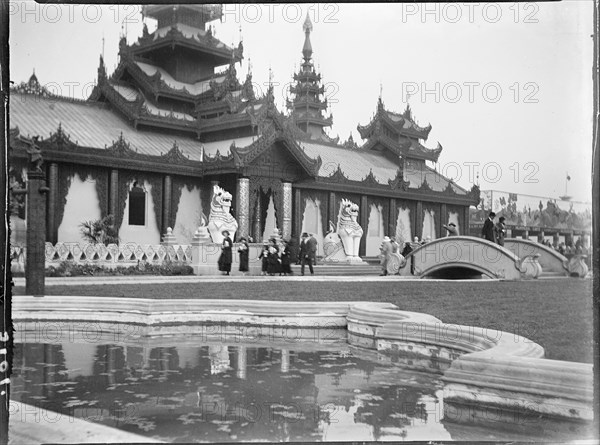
(348, 229)
(220, 219)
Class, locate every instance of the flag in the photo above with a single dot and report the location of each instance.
(568, 177)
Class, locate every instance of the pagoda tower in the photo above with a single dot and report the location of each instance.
(168, 79)
(307, 106)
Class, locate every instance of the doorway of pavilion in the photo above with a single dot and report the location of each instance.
(266, 211)
(312, 221)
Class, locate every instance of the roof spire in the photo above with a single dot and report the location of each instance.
(270, 95)
(307, 48)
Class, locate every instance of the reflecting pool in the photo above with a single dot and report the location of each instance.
(199, 390)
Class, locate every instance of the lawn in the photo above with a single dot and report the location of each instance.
(556, 313)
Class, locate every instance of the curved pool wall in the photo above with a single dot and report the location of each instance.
(480, 367)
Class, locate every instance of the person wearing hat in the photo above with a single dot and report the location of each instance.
(307, 255)
(386, 250)
(451, 229)
(225, 259)
(487, 230)
(264, 257)
(243, 251)
(500, 231)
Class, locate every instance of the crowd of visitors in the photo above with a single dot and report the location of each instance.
(276, 257)
(496, 233)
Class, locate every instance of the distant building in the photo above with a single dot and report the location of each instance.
(534, 217)
(156, 134)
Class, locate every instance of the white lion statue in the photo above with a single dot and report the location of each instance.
(220, 219)
(348, 229)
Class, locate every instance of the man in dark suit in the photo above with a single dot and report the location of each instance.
(307, 254)
(312, 246)
(488, 231)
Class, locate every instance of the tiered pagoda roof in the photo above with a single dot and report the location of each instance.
(307, 105)
(165, 109)
(398, 133)
(167, 78)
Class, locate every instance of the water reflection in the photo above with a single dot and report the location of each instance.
(219, 392)
(191, 390)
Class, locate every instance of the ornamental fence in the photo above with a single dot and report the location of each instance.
(113, 255)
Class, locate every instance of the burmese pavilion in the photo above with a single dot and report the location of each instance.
(173, 119)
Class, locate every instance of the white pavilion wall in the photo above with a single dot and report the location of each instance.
(312, 222)
(149, 232)
(454, 218)
(189, 215)
(429, 224)
(82, 205)
(403, 226)
(270, 221)
(375, 231)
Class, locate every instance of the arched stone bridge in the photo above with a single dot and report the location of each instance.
(468, 257)
(549, 259)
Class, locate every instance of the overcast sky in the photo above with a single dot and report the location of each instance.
(507, 87)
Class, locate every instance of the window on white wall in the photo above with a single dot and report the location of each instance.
(137, 205)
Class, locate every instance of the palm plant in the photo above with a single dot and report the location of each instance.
(100, 231)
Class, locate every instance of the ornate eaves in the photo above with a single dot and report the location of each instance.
(398, 183)
(370, 179)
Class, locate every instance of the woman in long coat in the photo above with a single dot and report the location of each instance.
(225, 259)
(286, 259)
(273, 261)
(243, 250)
(264, 257)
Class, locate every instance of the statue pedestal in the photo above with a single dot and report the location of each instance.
(205, 257)
(577, 266)
(335, 254)
(169, 239)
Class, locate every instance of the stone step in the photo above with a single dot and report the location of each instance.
(341, 269)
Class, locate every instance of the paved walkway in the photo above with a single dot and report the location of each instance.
(152, 279)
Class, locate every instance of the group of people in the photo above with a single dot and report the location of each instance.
(494, 232)
(567, 248)
(276, 258)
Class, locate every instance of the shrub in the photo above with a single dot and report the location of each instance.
(70, 269)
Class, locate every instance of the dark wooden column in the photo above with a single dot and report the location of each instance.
(443, 219)
(298, 213)
(393, 217)
(466, 227)
(52, 224)
(419, 220)
(113, 197)
(364, 223)
(257, 220)
(36, 233)
(332, 210)
(166, 211)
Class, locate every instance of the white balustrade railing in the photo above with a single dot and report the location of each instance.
(113, 255)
